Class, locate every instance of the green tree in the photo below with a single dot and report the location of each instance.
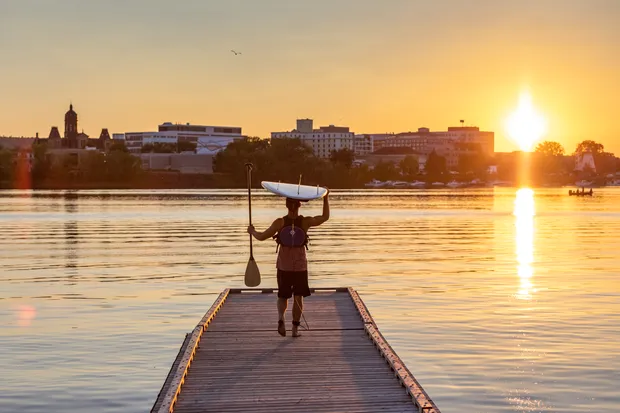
(550, 148)
(385, 171)
(63, 169)
(360, 175)
(543, 165)
(548, 161)
(7, 162)
(118, 146)
(185, 146)
(409, 167)
(474, 164)
(605, 163)
(41, 164)
(233, 158)
(147, 148)
(589, 146)
(122, 166)
(435, 167)
(344, 157)
(93, 167)
(160, 147)
(394, 150)
(287, 159)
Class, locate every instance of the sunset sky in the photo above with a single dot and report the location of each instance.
(376, 66)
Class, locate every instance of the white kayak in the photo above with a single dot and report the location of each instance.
(295, 191)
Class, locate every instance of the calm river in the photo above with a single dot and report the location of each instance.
(497, 300)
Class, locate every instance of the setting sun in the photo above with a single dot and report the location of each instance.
(525, 126)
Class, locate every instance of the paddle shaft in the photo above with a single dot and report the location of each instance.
(249, 168)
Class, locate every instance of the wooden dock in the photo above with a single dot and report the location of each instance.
(235, 361)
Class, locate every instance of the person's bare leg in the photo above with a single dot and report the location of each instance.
(298, 308)
(282, 306)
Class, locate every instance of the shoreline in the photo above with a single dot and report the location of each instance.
(175, 180)
(115, 186)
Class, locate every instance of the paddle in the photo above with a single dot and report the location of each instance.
(252, 274)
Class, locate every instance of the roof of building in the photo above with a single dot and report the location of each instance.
(70, 112)
(54, 134)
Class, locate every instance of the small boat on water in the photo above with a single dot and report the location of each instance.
(417, 184)
(375, 184)
(400, 184)
(584, 184)
(501, 183)
(583, 192)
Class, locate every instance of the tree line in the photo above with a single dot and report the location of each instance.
(161, 147)
(287, 159)
(45, 169)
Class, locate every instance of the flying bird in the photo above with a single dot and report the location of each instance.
(236, 53)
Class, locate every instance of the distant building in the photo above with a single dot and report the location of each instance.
(451, 144)
(368, 143)
(71, 132)
(72, 138)
(323, 141)
(14, 143)
(585, 162)
(371, 160)
(363, 144)
(181, 162)
(208, 139)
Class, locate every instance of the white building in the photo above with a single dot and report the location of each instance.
(585, 161)
(451, 144)
(368, 143)
(208, 139)
(363, 144)
(324, 140)
(158, 137)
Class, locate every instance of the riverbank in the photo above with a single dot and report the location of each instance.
(177, 180)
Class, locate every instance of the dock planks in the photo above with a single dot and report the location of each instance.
(234, 360)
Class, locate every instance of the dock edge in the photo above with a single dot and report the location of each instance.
(176, 377)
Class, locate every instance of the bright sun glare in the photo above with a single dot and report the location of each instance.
(524, 213)
(525, 126)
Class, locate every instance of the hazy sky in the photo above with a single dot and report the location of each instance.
(376, 66)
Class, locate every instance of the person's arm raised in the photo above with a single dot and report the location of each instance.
(268, 233)
(318, 220)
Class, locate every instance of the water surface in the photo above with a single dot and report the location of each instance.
(497, 301)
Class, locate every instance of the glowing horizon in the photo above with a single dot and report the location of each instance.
(360, 64)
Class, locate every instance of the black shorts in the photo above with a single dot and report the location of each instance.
(293, 283)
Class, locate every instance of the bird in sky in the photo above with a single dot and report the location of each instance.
(236, 53)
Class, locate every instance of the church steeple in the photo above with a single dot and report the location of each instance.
(71, 131)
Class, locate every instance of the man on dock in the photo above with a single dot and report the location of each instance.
(290, 232)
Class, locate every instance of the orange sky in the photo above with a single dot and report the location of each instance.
(377, 67)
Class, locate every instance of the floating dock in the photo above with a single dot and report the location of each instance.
(235, 361)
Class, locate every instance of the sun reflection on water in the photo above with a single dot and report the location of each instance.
(524, 212)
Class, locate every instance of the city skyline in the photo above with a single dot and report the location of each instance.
(372, 67)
